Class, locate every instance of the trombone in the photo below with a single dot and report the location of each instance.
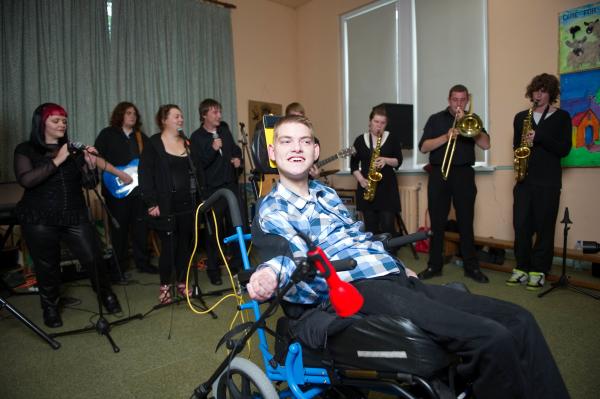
(470, 125)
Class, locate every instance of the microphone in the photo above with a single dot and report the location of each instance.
(76, 146)
(215, 136)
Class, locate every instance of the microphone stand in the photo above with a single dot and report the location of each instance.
(246, 155)
(102, 326)
(563, 281)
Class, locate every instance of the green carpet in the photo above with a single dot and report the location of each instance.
(172, 350)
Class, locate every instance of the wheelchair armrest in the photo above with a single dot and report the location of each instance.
(392, 244)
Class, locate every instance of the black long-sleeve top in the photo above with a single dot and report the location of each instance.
(53, 194)
(217, 169)
(438, 125)
(387, 197)
(119, 149)
(552, 142)
(157, 183)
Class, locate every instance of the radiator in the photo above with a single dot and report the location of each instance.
(409, 199)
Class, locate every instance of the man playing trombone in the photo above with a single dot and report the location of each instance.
(449, 137)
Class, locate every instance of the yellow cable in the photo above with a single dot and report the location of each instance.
(238, 298)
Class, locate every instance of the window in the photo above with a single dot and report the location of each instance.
(412, 52)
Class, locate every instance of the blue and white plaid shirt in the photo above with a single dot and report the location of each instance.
(327, 222)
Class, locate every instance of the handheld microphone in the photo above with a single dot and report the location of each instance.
(216, 136)
(76, 146)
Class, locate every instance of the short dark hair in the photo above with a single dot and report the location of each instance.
(118, 114)
(303, 120)
(206, 105)
(546, 82)
(459, 89)
(295, 107)
(378, 110)
(163, 112)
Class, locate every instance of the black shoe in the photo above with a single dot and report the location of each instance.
(215, 280)
(52, 317)
(477, 275)
(111, 303)
(429, 273)
(148, 269)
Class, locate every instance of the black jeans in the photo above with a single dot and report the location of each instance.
(44, 246)
(501, 345)
(534, 212)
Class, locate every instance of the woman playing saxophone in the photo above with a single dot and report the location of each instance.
(377, 156)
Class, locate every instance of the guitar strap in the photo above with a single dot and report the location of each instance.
(138, 139)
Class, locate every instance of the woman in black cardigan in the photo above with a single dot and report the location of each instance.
(53, 208)
(168, 191)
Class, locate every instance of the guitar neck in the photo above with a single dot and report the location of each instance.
(327, 160)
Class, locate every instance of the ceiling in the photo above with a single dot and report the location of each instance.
(291, 3)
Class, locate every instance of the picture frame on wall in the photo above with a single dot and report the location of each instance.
(579, 39)
(256, 111)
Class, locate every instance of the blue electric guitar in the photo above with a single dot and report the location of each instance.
(116, 186)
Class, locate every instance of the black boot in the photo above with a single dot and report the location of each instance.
(52, 317)
(49, 300)
(111, 303)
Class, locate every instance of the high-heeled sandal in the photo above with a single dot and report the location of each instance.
(181, 290)
(164, 296)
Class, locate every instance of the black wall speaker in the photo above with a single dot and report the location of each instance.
(400, 123)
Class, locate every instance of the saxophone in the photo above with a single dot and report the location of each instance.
(523, 152)
(374, 175)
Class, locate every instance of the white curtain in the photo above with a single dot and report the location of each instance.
(172, 52)
(158, 52)
(51, 51)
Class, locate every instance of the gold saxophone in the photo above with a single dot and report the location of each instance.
(374, 175)
(523, 152)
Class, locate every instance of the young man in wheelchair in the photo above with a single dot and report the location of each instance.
(502, 349)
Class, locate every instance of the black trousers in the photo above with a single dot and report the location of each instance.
(378, 222)
(461, 190)
(501, 345)
(225, 228)
(535, 209)
(44, 247)
(176, 244)
(130, 213)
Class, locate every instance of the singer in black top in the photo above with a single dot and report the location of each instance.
(380, 213)
(536, 198)
(219, 159)
(53, 208)
(168, 189)
(459, 188)
(119, 144)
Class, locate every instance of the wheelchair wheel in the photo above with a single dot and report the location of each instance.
(243, 380)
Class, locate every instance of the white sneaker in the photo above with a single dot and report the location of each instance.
(536, 281)
(517, 277)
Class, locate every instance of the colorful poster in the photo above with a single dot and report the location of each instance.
(580, 97)
(579, 39)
